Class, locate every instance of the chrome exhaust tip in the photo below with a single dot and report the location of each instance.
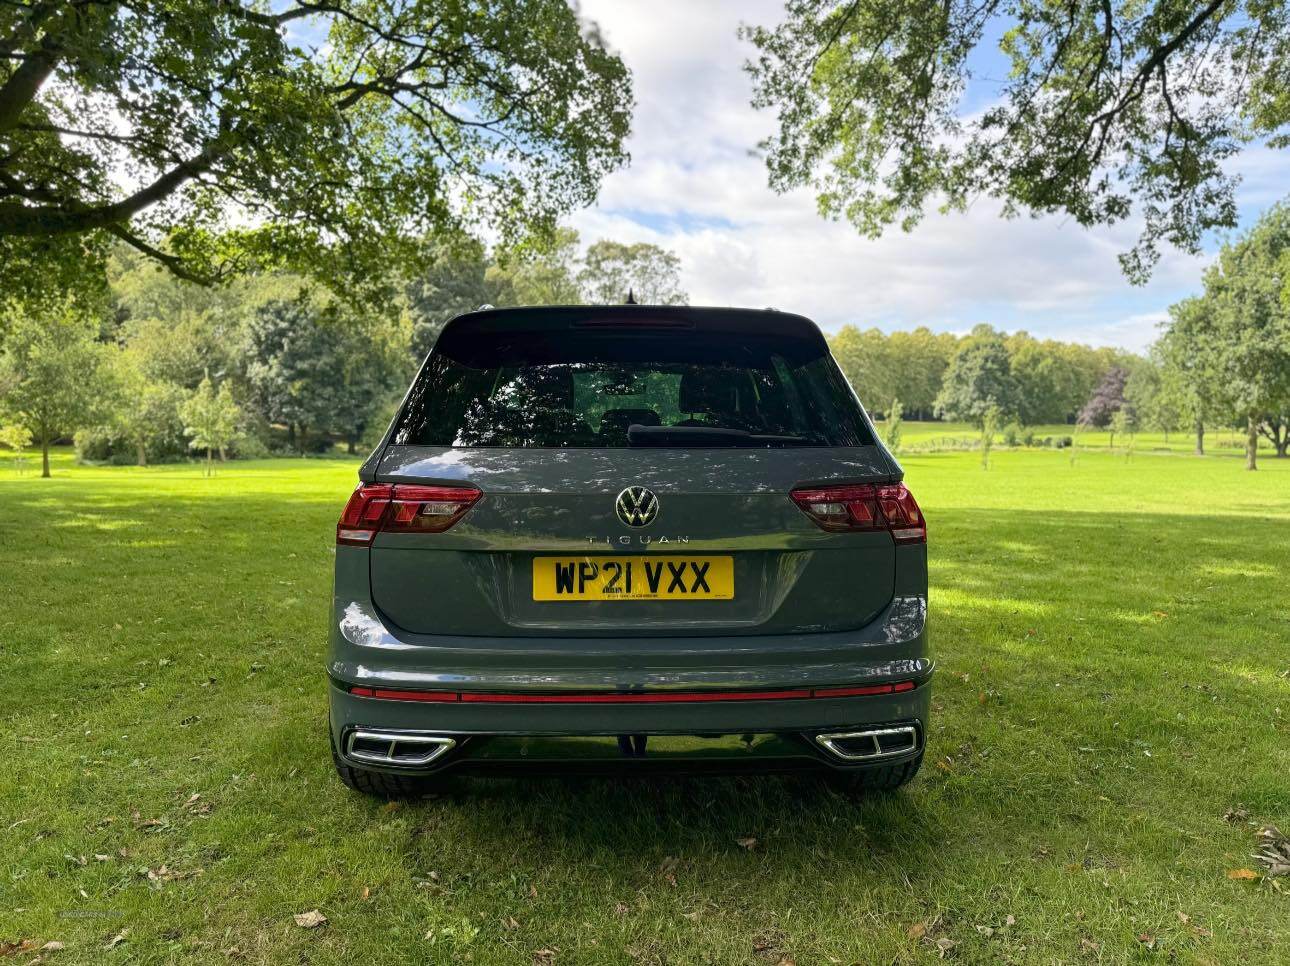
(871, 744)
(401, 749)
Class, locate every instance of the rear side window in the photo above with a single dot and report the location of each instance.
(618, 387)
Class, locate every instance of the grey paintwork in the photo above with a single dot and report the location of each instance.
(790, 576)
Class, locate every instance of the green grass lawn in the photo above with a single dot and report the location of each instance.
(1114, 647)
(930, 436)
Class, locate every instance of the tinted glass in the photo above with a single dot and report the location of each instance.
(584, 388)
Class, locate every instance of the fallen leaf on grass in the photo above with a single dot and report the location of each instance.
(543, 957)
(163, 873)
(749, 842)
(1243, 874)
(667, 868)
(510, 922)
(117, 940)
(1088, 946)
(986, 931)
(1147, 940)
(53, 946)
(916, 932)
(1234, 815)
(13, 948)
(1274, 851)
(771, 944)
(310, 920)
(141, 823)
(944, 945)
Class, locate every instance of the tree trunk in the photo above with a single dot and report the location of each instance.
(302, 439)
(1279, 434)
(351, 449)
(223, 456)
(1251, 443)
(210, 462)
(1200, 438)
(142, 452)
(44, 456)
(291, 433)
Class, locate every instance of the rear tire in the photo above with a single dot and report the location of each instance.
(886, 778)
(381, 784)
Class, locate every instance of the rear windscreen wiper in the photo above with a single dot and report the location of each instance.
(638, 435)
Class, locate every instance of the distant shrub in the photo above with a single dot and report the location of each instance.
(102, 444)
(893, 426)
(249, 446)
(1011, 434)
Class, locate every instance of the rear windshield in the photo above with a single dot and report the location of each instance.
(618, 388)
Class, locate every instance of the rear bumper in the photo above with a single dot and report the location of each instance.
(771, 735)
(365, 650)
(742, 735)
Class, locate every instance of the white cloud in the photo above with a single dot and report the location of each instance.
(695, 187)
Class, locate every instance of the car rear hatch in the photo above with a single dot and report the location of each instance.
(628, 473)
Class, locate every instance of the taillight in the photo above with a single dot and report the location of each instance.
(865, 507)
(402, 508)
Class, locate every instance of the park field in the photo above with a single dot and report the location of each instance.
(920, 437)
(1111, 731)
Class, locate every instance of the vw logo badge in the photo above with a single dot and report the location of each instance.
(636, 506)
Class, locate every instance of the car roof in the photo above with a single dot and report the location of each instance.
(553, 318)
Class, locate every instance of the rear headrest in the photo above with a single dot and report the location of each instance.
(615, 421)
(708, 390)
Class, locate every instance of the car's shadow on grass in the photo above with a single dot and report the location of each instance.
(657, 822)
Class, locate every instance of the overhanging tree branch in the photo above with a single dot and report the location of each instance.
(172, 262)
(23, 85)
(17, 219)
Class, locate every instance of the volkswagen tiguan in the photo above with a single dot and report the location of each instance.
(630, 537)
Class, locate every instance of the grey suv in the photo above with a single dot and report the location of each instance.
(634, 537)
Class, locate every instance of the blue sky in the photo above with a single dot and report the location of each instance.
(694, 187)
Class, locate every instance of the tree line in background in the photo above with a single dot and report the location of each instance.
(157, 367)
(1222, 360)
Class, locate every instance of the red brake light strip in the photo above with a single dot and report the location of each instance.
(653, 697)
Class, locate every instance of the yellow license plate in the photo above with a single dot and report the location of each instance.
(633, 578)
